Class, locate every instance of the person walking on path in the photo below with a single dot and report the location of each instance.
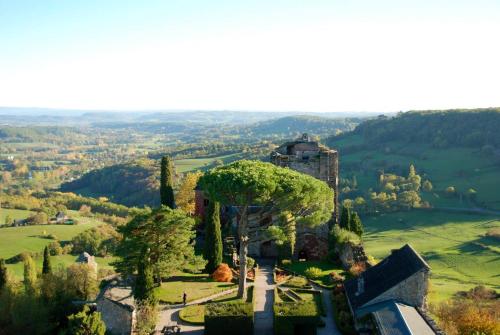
(184, 298)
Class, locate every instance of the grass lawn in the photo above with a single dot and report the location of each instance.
(196, 287)
(195, 314)
(326, 267)
(454, 245)
(13, 213)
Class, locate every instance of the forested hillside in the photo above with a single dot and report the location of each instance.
(456, 151)
(131, 184)
(440, 129)
(292, 126)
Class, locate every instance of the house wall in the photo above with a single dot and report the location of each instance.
(119, 319)
(412, 291)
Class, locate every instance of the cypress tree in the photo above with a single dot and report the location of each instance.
(144, 284)
(3, 274)
(356, 225)
(166, 183)
(345, 218)
(29, 275)
(47, 268)
(213, 238)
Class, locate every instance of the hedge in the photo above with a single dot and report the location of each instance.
(296, 317)
(233, 318)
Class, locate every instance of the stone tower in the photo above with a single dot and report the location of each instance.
(307, 156)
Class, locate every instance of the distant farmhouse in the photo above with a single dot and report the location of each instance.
(61, 218)
(390, 297)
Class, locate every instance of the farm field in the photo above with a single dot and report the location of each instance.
(17, 269)
(13, 213)
(191, 164)
(454, 245)
(31, 238)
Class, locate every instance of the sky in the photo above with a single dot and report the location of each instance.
(269, 55)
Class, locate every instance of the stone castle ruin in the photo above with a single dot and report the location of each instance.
(309, 157)
(306, 156)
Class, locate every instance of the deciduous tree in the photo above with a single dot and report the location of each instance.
(86, 323)
(185, 197)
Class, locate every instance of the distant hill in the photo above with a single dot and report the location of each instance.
(459, 148)
(292, 126)
(131, 184)
(441, 128)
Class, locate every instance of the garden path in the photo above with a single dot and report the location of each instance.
(264, 300)
(169, 315)
(330, 327)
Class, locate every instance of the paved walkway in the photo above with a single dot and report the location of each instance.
(330, 327)
(264, 301)
(169, 315)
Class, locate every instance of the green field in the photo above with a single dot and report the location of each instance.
(454, 245)
(191, 164)
(15, 240)
(13, 213)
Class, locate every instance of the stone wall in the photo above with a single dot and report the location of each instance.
(119, 319)
(412, 291)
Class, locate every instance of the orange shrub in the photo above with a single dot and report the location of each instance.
(223, 273)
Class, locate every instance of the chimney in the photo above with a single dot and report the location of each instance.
(361, 285)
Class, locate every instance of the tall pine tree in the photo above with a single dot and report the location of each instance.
(144, 283)
(166, 183)
(345, 218)
(356, 225)
(3, 274)
(213, 238)
(47, 267)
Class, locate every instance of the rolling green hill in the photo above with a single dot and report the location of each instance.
(450, 148)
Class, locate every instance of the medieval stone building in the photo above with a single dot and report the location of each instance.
(309, 157)
(302, 155)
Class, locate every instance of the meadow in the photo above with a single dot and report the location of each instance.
(454, 245)
(15, 240)
(13, 214)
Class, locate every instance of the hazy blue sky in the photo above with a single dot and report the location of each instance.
(308, 55)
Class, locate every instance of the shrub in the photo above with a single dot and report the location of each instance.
(229, 318)
(357, 268)
(223, 273)
(341, 312)
(55, 248)
(313, 272)
(298, 282)
(286, 262)
(250, 263)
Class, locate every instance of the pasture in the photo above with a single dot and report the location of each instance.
(454, 245)
(13, 213)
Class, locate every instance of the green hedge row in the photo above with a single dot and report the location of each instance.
(302, 317)
(233, 318)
